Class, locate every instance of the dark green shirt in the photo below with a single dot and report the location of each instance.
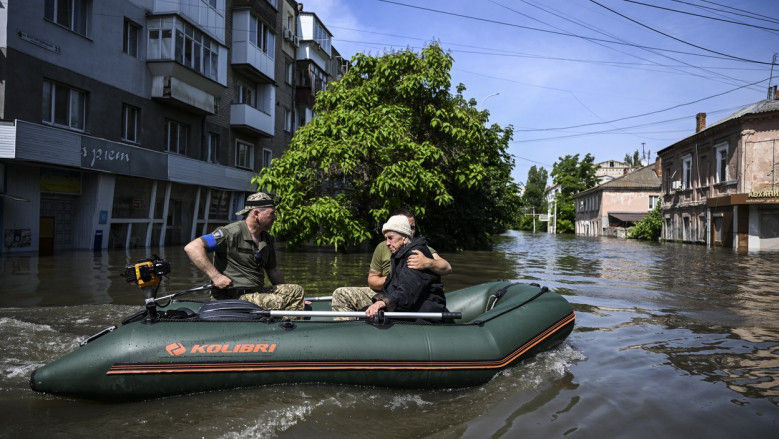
(239, 258)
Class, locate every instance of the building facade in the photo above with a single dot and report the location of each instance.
(719, 185)
(611, 208)
(138, 122)
(611, 169)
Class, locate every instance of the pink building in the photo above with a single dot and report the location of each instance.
(720, 185)
(611, 208)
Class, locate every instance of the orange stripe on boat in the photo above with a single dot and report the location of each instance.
(158, 368)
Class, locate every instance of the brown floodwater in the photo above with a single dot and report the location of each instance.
(670, 341)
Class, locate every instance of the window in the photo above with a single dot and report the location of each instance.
(261, 36)
(130, 123)
(72, 14)
(653, 200)
(686, 172)
(63, 105)
(321, 36)
(130, 39)
(686, 228)
(244, 155)
(176, 136)
(246, 93)
(191, 47)
(287, 119)
(266, 157)
(212, 3)
(721, 160)
(213, 147)
(290, 73)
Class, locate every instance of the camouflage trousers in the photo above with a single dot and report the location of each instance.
(281, 296)
(351, 299)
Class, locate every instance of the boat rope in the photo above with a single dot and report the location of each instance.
(536, 296)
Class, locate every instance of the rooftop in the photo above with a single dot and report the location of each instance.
(643, 178)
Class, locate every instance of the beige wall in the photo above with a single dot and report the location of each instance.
(626, 201)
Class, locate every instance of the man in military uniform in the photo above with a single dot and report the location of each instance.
(358, 298)
(242, 251)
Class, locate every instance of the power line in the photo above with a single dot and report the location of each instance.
(643, 114)
(676, 39)
(503, 23)
(595, 29)
(702, 16)
(616, 130)
(770, 19)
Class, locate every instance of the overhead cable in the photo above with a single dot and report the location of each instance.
(702, 16)
(643, 114)
(676, 39)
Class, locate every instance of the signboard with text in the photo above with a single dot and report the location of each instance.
(104, 155)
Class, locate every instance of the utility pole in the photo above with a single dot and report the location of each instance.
(534, 219)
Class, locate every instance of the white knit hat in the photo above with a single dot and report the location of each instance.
(399, 224)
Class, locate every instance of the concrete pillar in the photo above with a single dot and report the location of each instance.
(152, 202)
(165, 214)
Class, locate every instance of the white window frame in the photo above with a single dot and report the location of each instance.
(721, 162)
(687, 171)
(262, 37)
(290, 70)
(182, 136)
(653, 200)
(51, 13)
(129, 41)
(267, 156)
(287, 119)
(170, 38)
(130, 114)
(49, 116)
(249, 148)
(212, 147)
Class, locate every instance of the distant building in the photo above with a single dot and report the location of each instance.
(551, 210)
(720, 186)
(610, 208)
(611, 169)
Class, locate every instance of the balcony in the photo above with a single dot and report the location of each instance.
(174, 91)
(246, 56)
(199, 12)
(247, 118)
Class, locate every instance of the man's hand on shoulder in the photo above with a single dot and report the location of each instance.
(418, 261)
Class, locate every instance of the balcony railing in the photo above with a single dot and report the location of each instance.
(246, 116)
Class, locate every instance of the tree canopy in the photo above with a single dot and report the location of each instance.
(634, 161)
(391, 134)
(573, 176)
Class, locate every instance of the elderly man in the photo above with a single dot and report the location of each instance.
(242, 251)
(357, 298)
(407, 289)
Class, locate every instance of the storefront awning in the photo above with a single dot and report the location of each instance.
(627, 217)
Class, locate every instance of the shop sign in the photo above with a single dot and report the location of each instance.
(104, 155)
(764, 196)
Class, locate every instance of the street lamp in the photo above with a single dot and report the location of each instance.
(489, 96)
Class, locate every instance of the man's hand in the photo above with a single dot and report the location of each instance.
(222, 281)
(419, 261)
(373, 310)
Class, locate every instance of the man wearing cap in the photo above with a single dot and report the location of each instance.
(407, 289)
(243, 250)
(357, 298)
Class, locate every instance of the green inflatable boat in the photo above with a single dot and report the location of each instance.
(190, 346)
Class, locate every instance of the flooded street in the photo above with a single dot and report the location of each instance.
(670, 341)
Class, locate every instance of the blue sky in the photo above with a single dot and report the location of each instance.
(544, 82)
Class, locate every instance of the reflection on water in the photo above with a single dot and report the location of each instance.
(669, 338)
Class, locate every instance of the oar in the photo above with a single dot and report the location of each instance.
(361, 314)
(319, 299)
(180, 293)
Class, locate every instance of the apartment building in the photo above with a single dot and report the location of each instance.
(129, 123)
(611, 208)
(719, 185)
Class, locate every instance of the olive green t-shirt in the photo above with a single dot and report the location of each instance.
(238, 257)
(382, 256)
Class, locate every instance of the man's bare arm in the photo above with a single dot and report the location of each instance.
(196, 251)
(376, 280)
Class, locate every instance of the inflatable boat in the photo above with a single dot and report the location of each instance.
(189, 346)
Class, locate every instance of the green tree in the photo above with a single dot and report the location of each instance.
(534, 198)
(633, 161)
(649, 228)
(391, 134)
(573, 176)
